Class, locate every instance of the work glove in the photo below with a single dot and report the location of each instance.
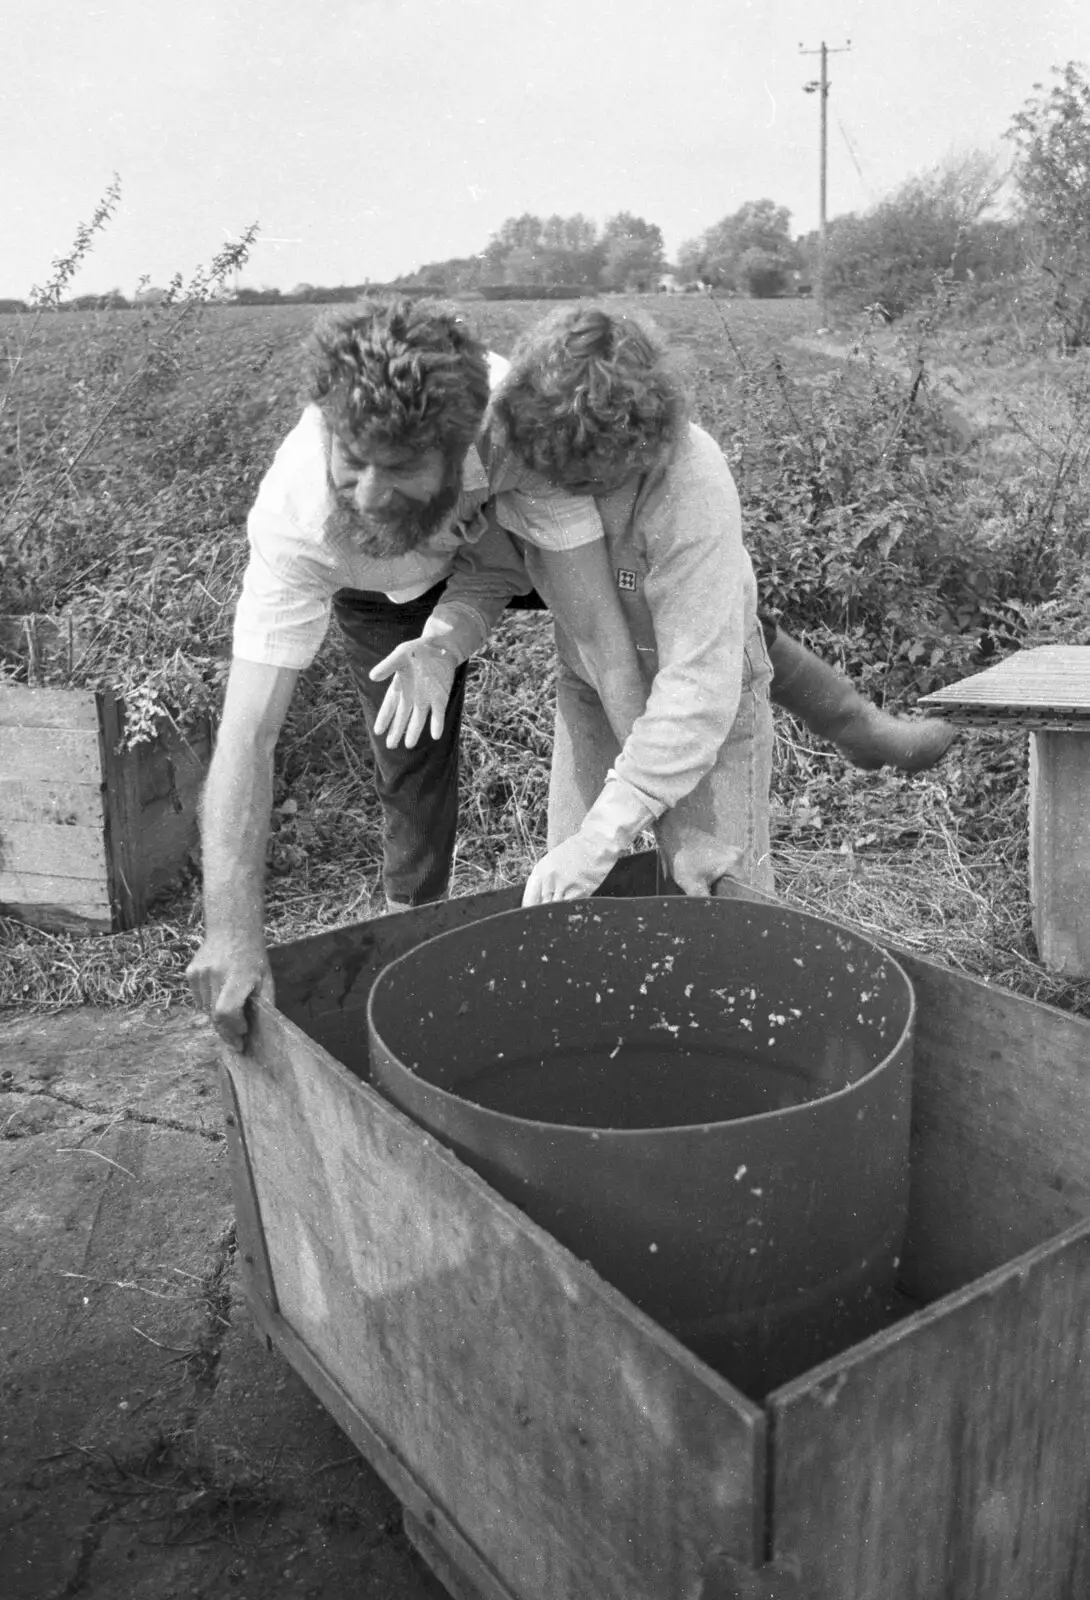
(423, 673)
(578, 866)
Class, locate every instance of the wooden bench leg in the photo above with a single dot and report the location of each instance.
(1059, 849)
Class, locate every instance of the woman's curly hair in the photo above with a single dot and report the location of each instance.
(408, 373)
(592, 393)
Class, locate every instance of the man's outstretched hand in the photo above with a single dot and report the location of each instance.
(423, 675)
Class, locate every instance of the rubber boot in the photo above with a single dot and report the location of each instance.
(826, 703)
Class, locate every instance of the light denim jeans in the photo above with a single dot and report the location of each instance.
(719, 829)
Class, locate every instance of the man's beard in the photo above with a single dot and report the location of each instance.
(404, 526)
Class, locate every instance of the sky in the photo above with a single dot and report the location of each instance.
(367, 137)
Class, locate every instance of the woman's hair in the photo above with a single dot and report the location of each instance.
(408, 373)
(591, 393)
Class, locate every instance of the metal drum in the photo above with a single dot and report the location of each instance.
(708, 1100)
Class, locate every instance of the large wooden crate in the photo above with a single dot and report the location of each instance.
(550, 1442)
(89, 832)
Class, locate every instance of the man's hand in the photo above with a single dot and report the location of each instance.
(223, 975)
(423, 675)
(573, 868)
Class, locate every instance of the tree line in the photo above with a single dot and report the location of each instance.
(965, 220)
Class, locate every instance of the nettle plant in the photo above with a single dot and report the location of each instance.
(117, 494)
(874, 516)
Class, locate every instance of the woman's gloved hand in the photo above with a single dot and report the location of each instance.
(423, 674)
(578, 866)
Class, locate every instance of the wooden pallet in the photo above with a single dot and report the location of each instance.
(550, 1442)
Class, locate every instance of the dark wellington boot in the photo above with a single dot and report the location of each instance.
(825, 701)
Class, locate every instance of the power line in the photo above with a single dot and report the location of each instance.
(851, 152)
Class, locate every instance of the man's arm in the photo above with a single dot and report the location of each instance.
(231, 963)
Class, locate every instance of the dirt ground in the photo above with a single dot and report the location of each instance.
(150, 1446)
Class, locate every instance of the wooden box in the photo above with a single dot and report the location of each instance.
(550, 1442)
(89, 833)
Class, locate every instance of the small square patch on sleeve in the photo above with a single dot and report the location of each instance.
(625, 579)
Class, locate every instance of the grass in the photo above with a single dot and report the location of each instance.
(936, 863)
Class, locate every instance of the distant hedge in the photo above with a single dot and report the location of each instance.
(533, 291)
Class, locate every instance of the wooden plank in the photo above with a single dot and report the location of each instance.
(1000, 1108)
(71, 754)
(948, 1457)
(439, 1560)
(256, 1269)
(54, 904)
(57, 851)
(47, 708)
(41, 888)
(50, 800)
(576, 1446)
(122, 813)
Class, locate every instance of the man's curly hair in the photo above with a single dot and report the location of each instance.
(407, 373)
(592, 393)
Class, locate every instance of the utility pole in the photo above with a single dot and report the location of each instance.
(821, 86)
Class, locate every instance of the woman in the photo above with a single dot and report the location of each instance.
(594, 406)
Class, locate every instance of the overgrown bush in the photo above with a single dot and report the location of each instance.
(121, 490)
(874, 519)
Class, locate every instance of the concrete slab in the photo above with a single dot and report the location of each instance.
(150, 1446)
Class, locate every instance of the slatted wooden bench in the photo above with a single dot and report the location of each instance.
(1047, 692)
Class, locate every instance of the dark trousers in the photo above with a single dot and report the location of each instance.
(418, 788)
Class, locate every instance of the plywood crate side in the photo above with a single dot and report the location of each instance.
(1001, 1102)
(174, 767)
(576, 1445)
(322, 982)
(948, 1456)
